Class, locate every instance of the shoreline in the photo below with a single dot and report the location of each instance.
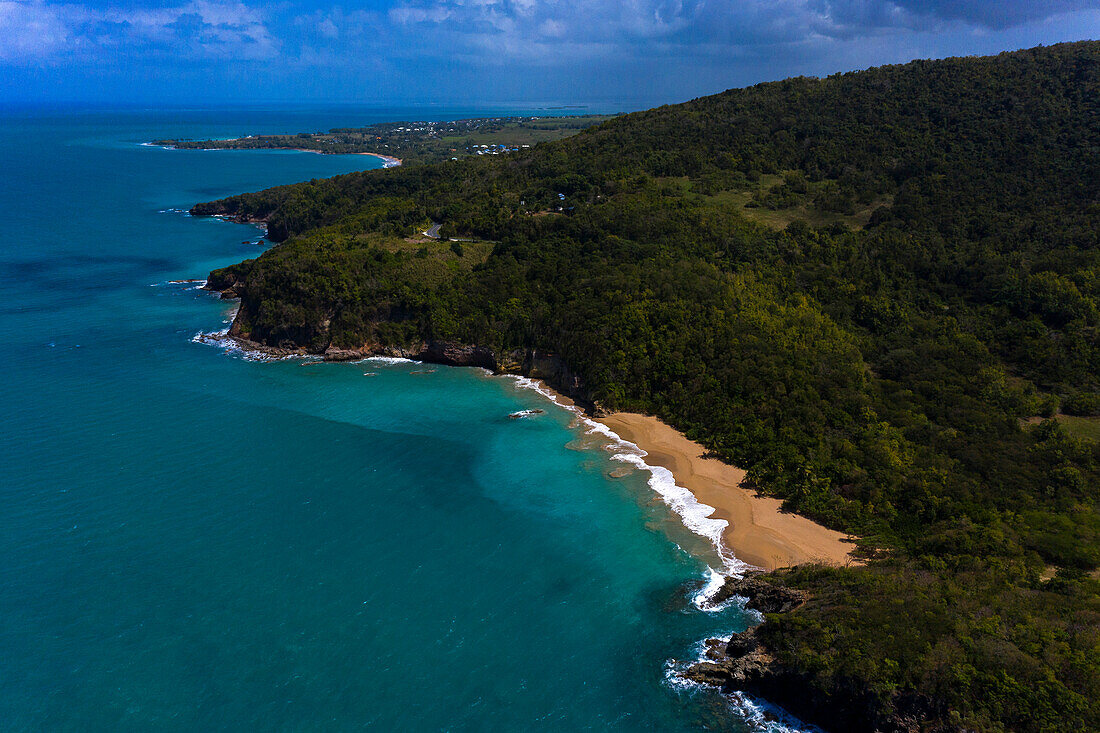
(388, 161)
(747, 530)
(757, 531)
(749, 533)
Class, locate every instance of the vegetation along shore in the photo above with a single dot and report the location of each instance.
(414, 142)
(876, 292)
(759, 532)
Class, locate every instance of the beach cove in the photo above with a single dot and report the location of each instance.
(197, 540)
(759, 532)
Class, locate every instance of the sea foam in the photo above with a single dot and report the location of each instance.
(759, 715)
(389, 360)
(231, 347)
(695, 515)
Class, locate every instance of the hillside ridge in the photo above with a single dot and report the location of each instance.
(874, 291)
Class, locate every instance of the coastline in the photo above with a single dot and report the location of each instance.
(748, 530)
(388, 161)
(758, 532)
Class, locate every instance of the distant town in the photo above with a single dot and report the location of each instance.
(416, 142)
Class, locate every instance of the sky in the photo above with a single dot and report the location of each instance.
(633, 53)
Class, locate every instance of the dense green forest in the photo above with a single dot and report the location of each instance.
(878, 292)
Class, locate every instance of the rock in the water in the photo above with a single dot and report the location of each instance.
(334, 354)
(762, 595)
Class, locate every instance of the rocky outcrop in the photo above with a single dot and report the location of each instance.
(454, 354)
(762, 596)
(553, 370)
(744, 663)
(224, 281)
(234, 209)
(741, 663)
(533, 363)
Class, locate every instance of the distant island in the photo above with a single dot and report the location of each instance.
(877, 292)
(414, 142)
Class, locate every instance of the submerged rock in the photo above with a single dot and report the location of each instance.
(335, 354)
(524, 413)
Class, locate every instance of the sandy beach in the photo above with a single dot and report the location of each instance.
(759, 533)
(388, 160)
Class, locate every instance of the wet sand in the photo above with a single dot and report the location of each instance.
(759, 533)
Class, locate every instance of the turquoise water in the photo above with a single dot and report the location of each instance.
(191, 540)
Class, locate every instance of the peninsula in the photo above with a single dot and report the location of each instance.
(414, 142)
(877, 292)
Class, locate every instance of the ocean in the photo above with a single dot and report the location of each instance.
(192, 539)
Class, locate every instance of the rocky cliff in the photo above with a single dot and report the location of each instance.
(533, 363)
(745, 663)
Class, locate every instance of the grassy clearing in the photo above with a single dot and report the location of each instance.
(777, 218)
(1083, 428)
(1086, 428)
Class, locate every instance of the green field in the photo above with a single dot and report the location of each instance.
(1086, 428)
(743, 200)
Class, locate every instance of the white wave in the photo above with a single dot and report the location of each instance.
(695, 515)
(760, 716)
(221, 340)
(703, 599)
(231, 347)
(193, 284)
(389, 360)
(765, 717)
(537, 386)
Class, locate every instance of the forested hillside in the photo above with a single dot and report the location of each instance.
(896, 361)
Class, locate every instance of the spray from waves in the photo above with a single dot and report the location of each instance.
(231, 347)
(695, 515)
(387, 360)
(759, 715)
(222, 340)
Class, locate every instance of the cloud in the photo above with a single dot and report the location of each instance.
(34, 31)
(687, 23)
(992, 15)
(491, 49)
(31, 30)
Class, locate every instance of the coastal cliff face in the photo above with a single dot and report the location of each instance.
(745, 663)
(235, 209)
(314, 339)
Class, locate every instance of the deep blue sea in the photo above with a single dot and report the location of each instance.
(191, 540)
